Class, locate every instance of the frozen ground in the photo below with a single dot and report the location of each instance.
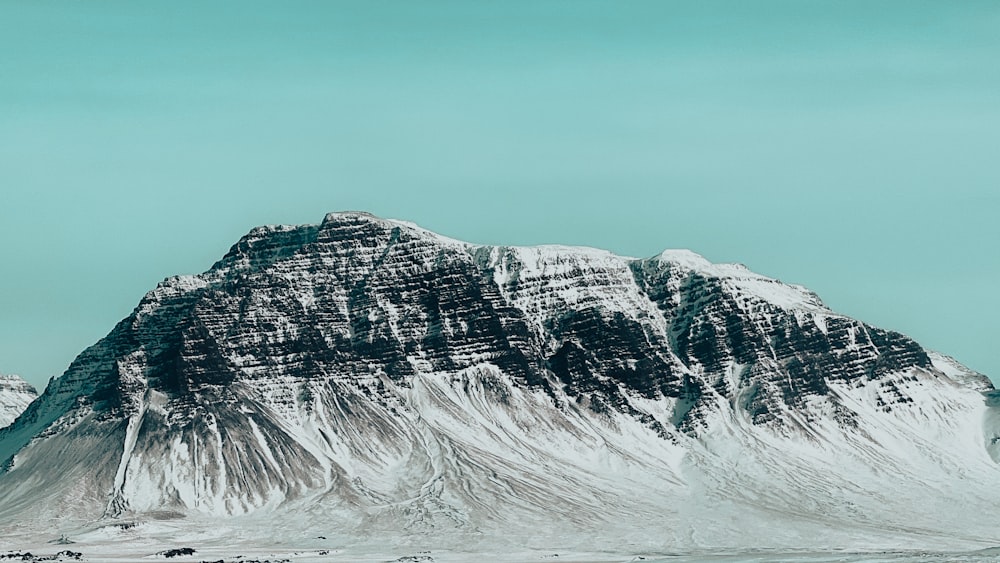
(131, 554)
(250, 544)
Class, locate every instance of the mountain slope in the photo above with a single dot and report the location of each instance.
(366, 378)
(15, 395)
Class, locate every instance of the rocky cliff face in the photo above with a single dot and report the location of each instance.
(394, 383)
(15, 395)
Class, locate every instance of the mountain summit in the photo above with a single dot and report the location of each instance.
(15, 395)
(369, 380)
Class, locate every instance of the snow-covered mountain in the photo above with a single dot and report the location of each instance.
(369, 380)
(15, 395)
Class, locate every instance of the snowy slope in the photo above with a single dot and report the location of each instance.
(370, 381)
(15, 395)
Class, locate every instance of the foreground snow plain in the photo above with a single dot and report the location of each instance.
(96, 553)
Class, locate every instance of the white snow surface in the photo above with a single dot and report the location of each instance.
(743, 281)
(15, 395)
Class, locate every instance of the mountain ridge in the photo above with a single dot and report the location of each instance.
(15, 395)
(404, 384)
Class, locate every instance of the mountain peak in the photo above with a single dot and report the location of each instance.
(742, 280)
(397, 384)
(353, 219)
(685, 258)
(11, 381)
(15, 395)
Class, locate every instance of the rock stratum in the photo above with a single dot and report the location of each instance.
(366, 380)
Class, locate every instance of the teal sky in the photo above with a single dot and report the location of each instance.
(853, 147)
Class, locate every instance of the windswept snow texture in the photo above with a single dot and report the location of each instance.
(15, 395)
(371, 382)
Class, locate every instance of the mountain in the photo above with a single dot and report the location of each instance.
(15, 395)
(370, 381)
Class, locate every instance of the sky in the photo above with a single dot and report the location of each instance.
(849, 146)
